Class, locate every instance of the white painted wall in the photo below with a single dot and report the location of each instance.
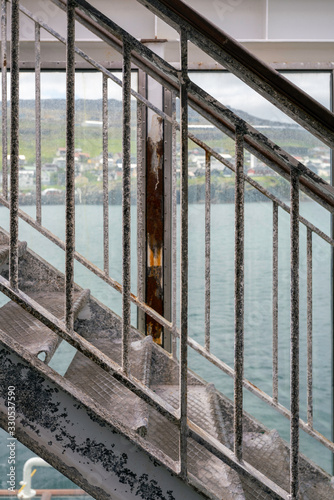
(278, 31)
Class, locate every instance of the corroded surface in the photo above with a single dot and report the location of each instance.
(155, 226)
(113, 402)
(104, 389)
(80, 441)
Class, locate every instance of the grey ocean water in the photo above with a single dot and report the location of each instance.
(258, 308)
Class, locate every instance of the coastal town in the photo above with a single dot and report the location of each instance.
(89, 174)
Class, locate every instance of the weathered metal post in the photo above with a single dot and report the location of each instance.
(154, 206)
(4, 97)
(14, 148)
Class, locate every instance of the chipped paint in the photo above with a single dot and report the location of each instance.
(74, 438)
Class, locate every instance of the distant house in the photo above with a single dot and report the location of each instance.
(61, 152)
(49, 172)
(26, 178)
(22, 160)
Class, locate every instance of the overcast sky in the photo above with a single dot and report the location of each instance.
(230, 91)
(225, 87)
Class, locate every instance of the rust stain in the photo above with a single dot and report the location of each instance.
(154, 253)
(155, 227)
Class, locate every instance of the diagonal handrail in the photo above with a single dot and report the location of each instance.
(260, 76)
(210, 108)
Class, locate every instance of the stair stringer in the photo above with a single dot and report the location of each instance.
(79, 438)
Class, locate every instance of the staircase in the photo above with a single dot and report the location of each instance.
(76, 420)
(129, 419)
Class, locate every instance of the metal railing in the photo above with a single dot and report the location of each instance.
(49, 494)
(178, 82)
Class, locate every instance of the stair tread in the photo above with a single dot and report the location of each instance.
(263, 449)
(198, 404)
(128, 408)
(30, 332)
(217, 477)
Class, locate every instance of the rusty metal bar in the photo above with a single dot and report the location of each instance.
(105, 174)
(4, 97)
(184, 252)
(168, 217)
(239, 294)
(207, 248)
(309, 329)
(38, 123)
(174, 228)
(141, 196)
(275, 302)
(126, 205)
(140, 202)
(294, 354)
(14, 147)
(70, 167)
(154, 212)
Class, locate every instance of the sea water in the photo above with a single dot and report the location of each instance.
(258, 306)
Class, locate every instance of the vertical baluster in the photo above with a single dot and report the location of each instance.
(174, 228)
(70, 167)
(141, 199)
(38, 122)
(14, 147)
(105, 174)
(184, 252)
(239, 294)
(309, 329)
(275, 302)
(294, 356)
(140, 202)
(126, 202)
(4, 97)
(207, 247)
